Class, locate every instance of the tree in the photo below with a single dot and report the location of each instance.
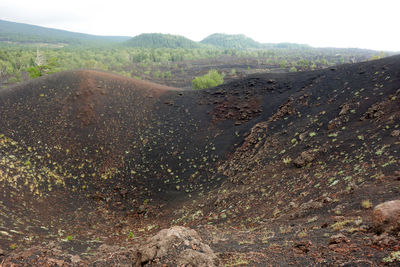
(34, 72)
(211, 79)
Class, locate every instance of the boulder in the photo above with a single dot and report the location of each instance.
(177, 246)
(304, 158)
(386, 216)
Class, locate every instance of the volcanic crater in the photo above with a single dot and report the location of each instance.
(267, 169)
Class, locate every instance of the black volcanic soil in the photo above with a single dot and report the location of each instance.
(90, 158)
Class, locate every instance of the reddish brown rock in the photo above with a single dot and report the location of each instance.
(182, 245)
(304, 158)
(395, 133)
(345, 109)
(383, 240)
(386, 216)
(339, 238)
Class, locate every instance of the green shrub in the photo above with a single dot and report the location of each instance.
(211, 79)
(34, 72)
(37, 71)
(366, 204)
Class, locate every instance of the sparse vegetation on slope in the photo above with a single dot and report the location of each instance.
(273, 168)
(287, 168)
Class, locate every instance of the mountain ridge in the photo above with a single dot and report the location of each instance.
(28, 33)
(23, 33)
(160, 40)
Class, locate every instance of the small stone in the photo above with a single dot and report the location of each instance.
(141, 209)
(345, 109)
(75, 259)
(302, 246)
(304, 158)
(395, 133)
(339, 238)
(124, 192)
(335, 123)
(383, 240)
(327, 200)
(302, 136)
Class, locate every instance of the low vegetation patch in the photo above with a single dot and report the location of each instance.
(211, 79)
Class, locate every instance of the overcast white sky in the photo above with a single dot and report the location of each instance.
(321, 23)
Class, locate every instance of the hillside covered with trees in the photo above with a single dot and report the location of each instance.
(235, 41)
(242, 42)
(159, 40)
(28, 51)
(21, 33)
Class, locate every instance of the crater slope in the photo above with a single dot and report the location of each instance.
(267, 169)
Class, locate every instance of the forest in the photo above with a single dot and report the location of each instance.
(23, 62)
(28, 51)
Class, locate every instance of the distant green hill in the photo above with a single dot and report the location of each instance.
(26, 33)
(235, 41)
(285, 46)
(159, 40)
(240, 41)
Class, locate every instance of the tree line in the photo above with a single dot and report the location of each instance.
(139, 62)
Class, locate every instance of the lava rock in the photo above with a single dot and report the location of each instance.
(383, 240)
(179, 246)
(142, 209)
(304, 158)
(395, 133)
(339, 238)
(345, 109)
(386, 216)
